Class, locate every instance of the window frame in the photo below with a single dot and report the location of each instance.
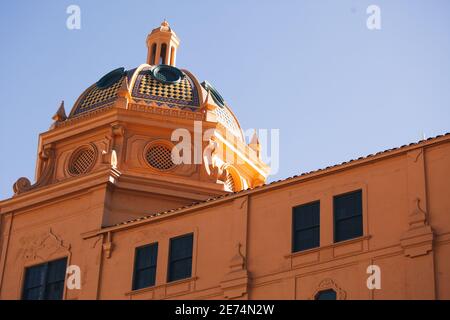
(136, 270)
(43, 294)
(359, 191)
(170, 261)
(294, 230)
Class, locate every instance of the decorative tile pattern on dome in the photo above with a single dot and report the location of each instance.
(96, 97)
(182, 94)
(226, 118)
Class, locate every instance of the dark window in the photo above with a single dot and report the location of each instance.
(153, 54)
(45, 281)
(162, 56)
(180, 257)
(329, 294)
(145, 259)
(306, 226)
(348, 222)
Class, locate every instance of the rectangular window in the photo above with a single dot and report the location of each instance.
(145, 259)
(45, 281)
(348, 222)
(180, 257)
(306, 226)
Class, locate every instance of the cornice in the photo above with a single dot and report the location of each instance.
(58, 189)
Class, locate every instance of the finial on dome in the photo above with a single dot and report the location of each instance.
(165, 23)
(59, 116)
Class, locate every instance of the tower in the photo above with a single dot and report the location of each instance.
(151, 138)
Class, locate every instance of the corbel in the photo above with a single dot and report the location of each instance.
(45, 172)
(108, 245)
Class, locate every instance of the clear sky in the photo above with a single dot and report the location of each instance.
(334, 88)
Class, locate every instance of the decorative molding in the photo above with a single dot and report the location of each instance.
(47, 156)
(418, 240)
(235, 282)
(160, 110)
(165, 290)
(118, 144)
(123, 95)
(213, 165)
(84, 116)
(117, 129)
(43, 247)
(328, 284)
(113, 160)
(418, 154)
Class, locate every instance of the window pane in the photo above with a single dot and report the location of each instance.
(145, 266)
(56, 270)
(181, 247)
(35, 276)
(348, 222)
(56, 273)
(306, 239)
(348, 205)
(348, 229)
(54, 291)
(33, 294)
(146, 256)
(45, 281)
(180, 257)
(180, 269)
(145, 278)
(306, 226)
(329, 294)
(307, 215)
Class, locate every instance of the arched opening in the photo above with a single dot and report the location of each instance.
(153, 54)
(232, 179)
(162, 55)
(328, 294)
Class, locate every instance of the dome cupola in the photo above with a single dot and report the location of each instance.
(124, 124)
(162, 44)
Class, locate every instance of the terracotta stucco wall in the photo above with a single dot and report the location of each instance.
(242, 243)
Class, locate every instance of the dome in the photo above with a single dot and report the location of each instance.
(161, 85)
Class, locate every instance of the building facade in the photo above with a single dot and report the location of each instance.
(148, 190)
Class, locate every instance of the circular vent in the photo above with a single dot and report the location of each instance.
(82, 161)
(217, 97)
(167, 74)
(110, 78)
(159, 157)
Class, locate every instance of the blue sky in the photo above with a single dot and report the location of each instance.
(312, 69)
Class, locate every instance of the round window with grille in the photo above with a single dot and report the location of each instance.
(82, 161)
(167, 74)
(159, 157)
